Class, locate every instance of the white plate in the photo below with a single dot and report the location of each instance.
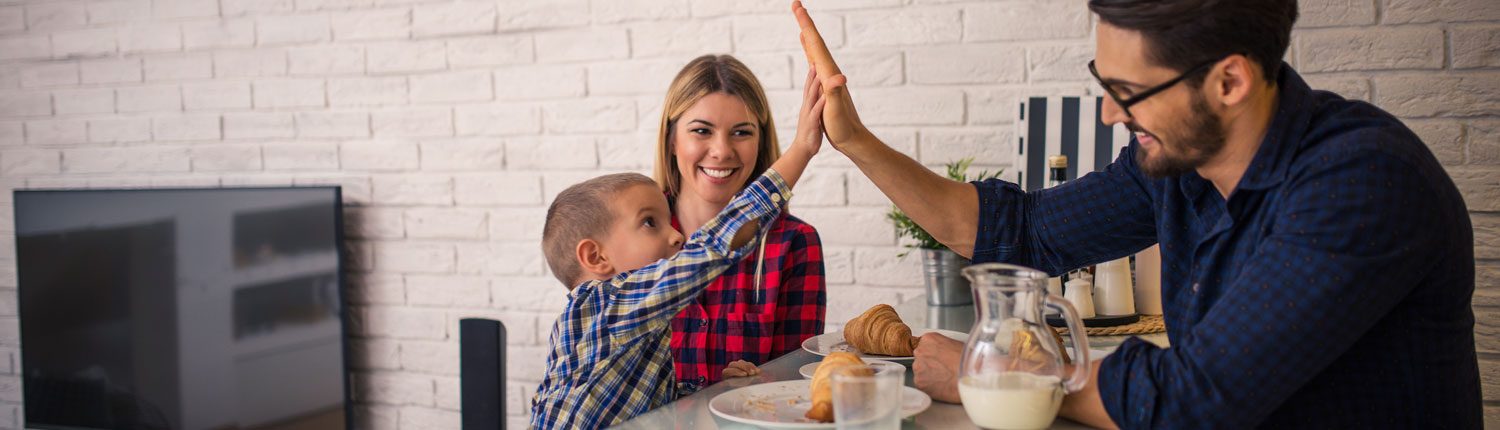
(826, 343)
(1094, 353)
(783, 404)
(807, 369)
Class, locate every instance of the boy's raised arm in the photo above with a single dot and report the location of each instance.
(648, 298)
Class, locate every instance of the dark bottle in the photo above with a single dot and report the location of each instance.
(1058, 165)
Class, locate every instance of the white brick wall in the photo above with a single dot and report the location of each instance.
(258, 125)
(478, 154)
(250, 63)
(967, 64)
(150, 98)
(214, 96)
(333, 124)
(452, 124)
(448, 400)
(405, 56)
(326, 60)
(185, 127)
(178, 67)
(453, 19)
(489, 50)
(444, 88)
(371, 24)
(367, 91)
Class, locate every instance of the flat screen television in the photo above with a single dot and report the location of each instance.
(182, 309)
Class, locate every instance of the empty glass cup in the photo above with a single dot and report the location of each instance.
(866, 401)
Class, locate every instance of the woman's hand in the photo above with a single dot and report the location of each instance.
(740, 368)
(840, 121)
(810, 119)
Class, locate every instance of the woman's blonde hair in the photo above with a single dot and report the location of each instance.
(703, 76)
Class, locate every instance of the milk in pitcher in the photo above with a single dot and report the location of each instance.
(1011, 400)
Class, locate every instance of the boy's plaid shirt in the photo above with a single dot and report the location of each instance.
(611, 357)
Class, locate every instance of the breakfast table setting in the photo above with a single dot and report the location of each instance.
(784, 395)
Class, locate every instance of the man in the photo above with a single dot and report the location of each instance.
(1317, 261)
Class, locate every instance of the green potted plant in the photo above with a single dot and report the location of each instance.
(941, 267)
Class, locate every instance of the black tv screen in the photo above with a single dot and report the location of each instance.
(182, 309)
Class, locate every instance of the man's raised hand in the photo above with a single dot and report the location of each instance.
(840, 121)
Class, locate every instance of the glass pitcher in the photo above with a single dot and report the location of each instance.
(1012, 373)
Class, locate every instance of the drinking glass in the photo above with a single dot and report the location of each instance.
(870, 402)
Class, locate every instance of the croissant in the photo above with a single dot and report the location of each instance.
(880, 331)
(822, 383)
(1028, 354)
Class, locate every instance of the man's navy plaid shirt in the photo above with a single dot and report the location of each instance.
(1330, 290)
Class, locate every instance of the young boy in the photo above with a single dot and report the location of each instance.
(611, 358)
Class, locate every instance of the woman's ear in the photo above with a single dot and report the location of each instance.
(592, 260)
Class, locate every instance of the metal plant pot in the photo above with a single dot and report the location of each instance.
(942, 271)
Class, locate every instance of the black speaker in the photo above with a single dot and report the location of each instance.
(482, 373)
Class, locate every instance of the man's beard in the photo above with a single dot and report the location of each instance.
(1203, 140)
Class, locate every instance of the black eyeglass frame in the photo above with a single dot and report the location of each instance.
(1126, 104)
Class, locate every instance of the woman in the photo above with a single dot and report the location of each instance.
(717, 134)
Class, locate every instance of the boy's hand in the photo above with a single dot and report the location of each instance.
(810, 119)
(740, 368)
(840, 121)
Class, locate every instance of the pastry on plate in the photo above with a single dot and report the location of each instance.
(880, 331)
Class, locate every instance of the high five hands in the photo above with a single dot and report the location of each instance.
(810, 118)
(840, 122)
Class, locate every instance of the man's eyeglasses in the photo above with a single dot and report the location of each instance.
(1126, 103)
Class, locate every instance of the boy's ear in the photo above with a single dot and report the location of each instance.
(592, 260)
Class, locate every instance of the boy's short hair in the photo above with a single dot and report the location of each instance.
(581, 211)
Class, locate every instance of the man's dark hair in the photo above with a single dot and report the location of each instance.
(1181, 34)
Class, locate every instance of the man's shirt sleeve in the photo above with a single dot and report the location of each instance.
(1100, 217)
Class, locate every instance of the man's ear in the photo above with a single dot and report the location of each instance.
(1233, 79)
(592, 260)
